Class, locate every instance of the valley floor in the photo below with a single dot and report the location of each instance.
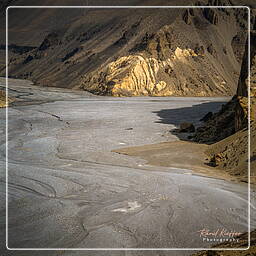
(69, 188)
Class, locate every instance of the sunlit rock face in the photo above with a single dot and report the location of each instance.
(136, 75)
(160, 70)
(4, 102)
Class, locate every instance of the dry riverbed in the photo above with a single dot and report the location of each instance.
(67, 188)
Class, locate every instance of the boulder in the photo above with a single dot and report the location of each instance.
(187, 127)
(211, 50)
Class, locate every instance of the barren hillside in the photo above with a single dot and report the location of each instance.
(227, 130)
(128, 52)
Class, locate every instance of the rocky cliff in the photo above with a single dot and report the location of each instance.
(227, 130)
(157, 52)
(233, 116)
(241, 110)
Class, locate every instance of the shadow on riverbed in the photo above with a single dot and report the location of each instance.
(191, 114)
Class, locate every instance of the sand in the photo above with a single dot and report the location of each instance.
(179, 154)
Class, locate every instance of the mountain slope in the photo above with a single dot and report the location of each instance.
(227, 130)
(129, 52)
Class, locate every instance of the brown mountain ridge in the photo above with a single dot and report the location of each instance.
(129, 52)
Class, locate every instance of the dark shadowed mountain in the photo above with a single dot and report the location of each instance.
(126, 52)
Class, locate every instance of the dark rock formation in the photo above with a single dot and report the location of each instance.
(199, 49)
(219, 126)
(18, 49)
(186, 127)
(51, 40)
(28, 59)
(241, 110)
(186, 17)
(242, 89)
(227, 130)
(237, 44)
(70, 54)
(207, 117)
(211, 50)
(233, 116)
(211, 15)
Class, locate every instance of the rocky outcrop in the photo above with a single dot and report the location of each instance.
(233, 116)
(211, 15)
(70, 54)
(219, 126)
(229, 127)
(237, 44)
(187, 16)
(135, 75)
(3, 101)
(241, 110)
(211, 49)
(207, 117)
(159, 66)
(129, 76)
(51, 40)
(186, 127)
